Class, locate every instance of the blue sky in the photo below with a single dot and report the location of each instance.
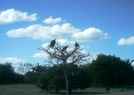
(102, 26)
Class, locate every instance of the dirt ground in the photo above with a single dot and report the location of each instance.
(26, 89)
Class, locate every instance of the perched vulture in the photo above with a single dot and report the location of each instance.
(52, 43)
(64, 48)
(76, 45)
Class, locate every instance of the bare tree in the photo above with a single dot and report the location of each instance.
(67, 56)
(25, 67)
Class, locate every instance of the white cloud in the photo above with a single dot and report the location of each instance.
(40, 54)
(13, 60)
(12, 15)
(91, 34)
(38, 31)
(51, 20)
(124, 41)
(63, 31)
(65, 42)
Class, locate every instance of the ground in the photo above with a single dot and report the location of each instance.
(26, 89)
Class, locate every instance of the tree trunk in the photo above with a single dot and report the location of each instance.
(67, 81)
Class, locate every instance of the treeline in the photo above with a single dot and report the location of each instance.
(105, 71)
(8, 75)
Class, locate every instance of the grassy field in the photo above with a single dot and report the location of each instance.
(26, 89)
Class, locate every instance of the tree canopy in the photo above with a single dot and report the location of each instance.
(8, 75)
(54, 79)
(108, 70)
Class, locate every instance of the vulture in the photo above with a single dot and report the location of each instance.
(52, 43)
(64, 48)
(76, 45)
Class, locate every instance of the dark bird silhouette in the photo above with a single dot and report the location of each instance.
(121, 90)
(52, 43)
(76, 45)
(108, 89)
(64, 48)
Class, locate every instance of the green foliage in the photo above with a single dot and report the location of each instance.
(109, 70)
(19, 78)
(8, 76)
(35, 74)
(54, 79)
(6, 73)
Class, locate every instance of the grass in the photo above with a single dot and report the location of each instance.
(27, 89)
(23, 89)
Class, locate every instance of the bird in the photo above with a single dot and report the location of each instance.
(52, 43)
(64, 48)
(108, 89)
(121, 90)
(76, 45)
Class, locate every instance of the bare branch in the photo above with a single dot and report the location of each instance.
(58, 56)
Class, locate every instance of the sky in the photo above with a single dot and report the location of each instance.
(102, 26)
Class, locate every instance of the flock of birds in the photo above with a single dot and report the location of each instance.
(53, 42)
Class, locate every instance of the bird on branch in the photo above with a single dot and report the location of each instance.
(52, 43)
(76, 45)
(64, 48)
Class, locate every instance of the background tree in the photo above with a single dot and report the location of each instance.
(33, 76)
(109, 70)
(8, 75)
(25, 67)
(70, 56)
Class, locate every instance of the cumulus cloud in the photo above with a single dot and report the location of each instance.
(12, 15)
(62, 31)
(91, 34)
(38, 31)
(40, 54)
(124, 41)
(51, 20)
(13, 60)
(65, 42)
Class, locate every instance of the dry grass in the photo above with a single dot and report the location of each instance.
(26, 89)
(23, 89)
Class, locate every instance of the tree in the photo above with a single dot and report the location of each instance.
(19, 78)
(33, 76)
(108, 70)
(54, 79)
(25, 67)
(8, 75)
(70, 56)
